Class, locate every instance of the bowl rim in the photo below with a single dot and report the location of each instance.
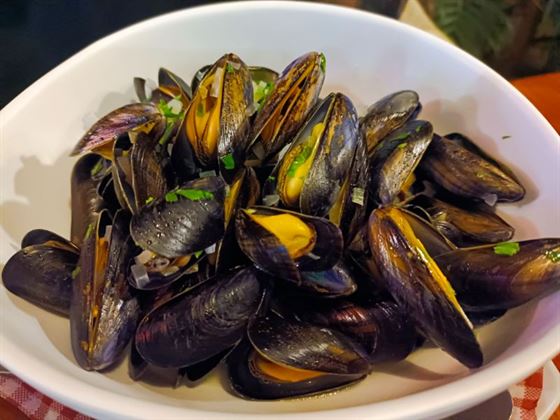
(459, 393)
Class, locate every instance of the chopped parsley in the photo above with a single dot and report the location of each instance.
(149, 199)
(271, 178)
(200, 110)
(197, 254)
(507, 248)
(553, 255)
(401, 145)
(323, 63)
(418, 128)
(404, 135)
(167, 133)
(261, 90)
(229, 68)
(97, 168)
(76, 272)
(168, 110)
(189, 193)
(228, 161)
(89, 231)
(300, 160)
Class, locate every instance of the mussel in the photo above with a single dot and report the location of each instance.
(43, 271)
(417, 284)
(217, 120)
(284, 111)
(103, 311)
(202, 322)
(285, 358)
(388, 114)
(384, 329)
(505, 275)
(281, 242)
(170, 86)
(477, 222)
(394, 160)
(455, 163)
(311, 173)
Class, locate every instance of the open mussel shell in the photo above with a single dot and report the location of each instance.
(263, 80)
(460, 167)
(417, 284)
(103, 311)
(170, 86)
(503, 276)
(475, 223)
(217, 120)
(433, 240)
(394, 160)
(100, 137)
(200, 323)
(384, 329)
(186, 220)
(389, 113)
(281, 242)
(311, 173)
(42, 272)
(284, 112)
(334, 282)
(286, 358)
(86, 203)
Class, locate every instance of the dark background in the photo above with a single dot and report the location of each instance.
(36, 35)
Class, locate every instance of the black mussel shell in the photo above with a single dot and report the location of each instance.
(103, 311)
(42, 272)
(200, 323)
(419, 287)
(482, 318)
(460, 167)
(505, 275)
(200, 370)
(388, 114)
(188, 219)
(334, 282)
(471, 224)
(394, 160)
(384, 330)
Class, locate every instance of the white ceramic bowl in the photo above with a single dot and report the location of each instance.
(367, 57)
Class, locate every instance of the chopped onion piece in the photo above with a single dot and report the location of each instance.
(217, 83)
(490, 199)
(211, 249)
(271, 200)
(140, 275)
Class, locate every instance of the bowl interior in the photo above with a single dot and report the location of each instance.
(367, 57)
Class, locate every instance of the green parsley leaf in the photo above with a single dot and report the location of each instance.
(418, 129)
(271, 178)
(228, 161)
(76, 272)
(229, 68)
(507, 248)
(89, 231)
(149, 199)
(197, 254)
(404, 135)
(261, 91)
(200, 109)
(171, 197)
(97, 168)
(300, 160)
(323, 63)
(553, 255)
(401, 145)
(167, 133)
(194, 194)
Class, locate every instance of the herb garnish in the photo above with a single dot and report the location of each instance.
(507, 248)
(228, 161)
(189, 193)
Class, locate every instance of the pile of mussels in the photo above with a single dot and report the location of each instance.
(244, 219)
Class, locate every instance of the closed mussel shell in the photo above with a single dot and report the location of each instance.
(187, 219)
(286, 358)
(42, 272)
(385, 331)
(460, 167)
(200, 323)
(417, 284)
(388, 114)
(394, 160)
(311, 173)
(284, 112)
(333, 282)
(502, 276)
(282, 242)
(103, 311)
(474, 223)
